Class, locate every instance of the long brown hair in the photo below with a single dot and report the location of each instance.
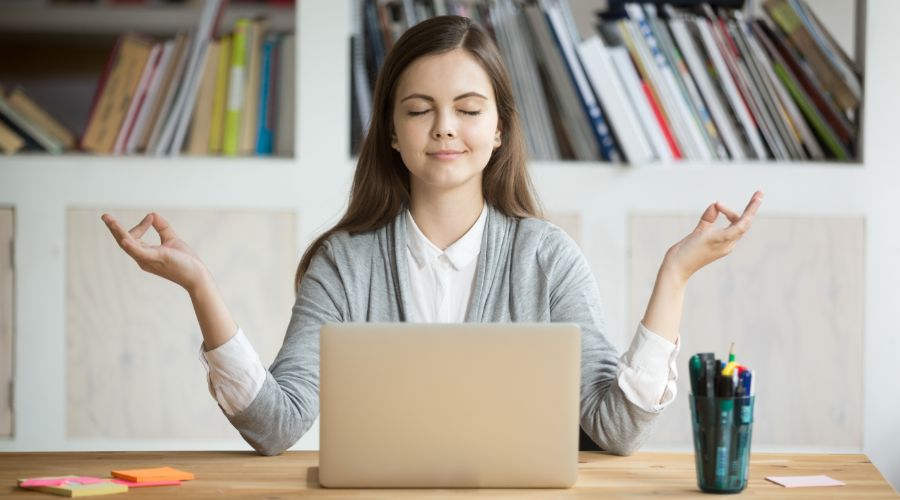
(380, 188)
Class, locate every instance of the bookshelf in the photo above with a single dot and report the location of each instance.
(313, 185)
(103, 19)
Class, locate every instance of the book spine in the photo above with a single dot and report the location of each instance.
(608, 149)
(264, 130)
(235, 88)
(221, 97)
(46, 141)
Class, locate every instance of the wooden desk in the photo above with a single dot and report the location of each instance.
(247, 475)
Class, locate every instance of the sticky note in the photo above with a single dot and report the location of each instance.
(804, 481)
(69, 486)
(132, 484)
(153, 475)
(58, 480)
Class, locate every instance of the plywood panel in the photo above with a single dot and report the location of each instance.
(132, 337)
(6, 321)
(791, 298)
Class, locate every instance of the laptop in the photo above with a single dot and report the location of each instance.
(465, 405)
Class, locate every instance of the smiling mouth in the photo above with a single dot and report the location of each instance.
(446, 155)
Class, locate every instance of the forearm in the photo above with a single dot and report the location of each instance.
(663, 315)
(215, 321)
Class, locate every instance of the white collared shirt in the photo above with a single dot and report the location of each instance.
(441, 284)
(441, 281)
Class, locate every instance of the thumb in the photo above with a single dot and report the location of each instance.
(709, 216)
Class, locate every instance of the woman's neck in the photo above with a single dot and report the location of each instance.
(444, 219)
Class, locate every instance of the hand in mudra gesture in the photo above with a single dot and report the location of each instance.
(707, 243)
(172, 259)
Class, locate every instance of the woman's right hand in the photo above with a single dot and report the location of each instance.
(172, 259)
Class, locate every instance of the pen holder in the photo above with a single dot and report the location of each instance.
(723, 428)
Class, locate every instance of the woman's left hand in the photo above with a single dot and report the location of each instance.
(707, 243)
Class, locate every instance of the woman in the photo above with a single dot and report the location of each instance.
(442, 225)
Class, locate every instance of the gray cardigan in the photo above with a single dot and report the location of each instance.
(528, 271)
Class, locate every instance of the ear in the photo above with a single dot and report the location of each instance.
(497, 140)
(395, 143)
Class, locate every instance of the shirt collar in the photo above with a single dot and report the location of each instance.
(460, 254)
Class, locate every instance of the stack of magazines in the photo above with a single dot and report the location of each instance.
(655, 83)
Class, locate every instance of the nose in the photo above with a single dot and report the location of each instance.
(443, 132)
(443, 127)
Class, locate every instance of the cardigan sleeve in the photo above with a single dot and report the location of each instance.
(287, 404)
(611, 420)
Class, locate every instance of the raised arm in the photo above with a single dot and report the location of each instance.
(705, 244)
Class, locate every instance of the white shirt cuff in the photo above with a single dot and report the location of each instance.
(234, 373)
(647, 371)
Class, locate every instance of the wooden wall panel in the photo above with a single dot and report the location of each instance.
(791, 298)
(133, 368)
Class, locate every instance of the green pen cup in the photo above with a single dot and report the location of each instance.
(723, 428)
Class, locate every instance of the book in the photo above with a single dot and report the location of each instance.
(622, 31)
(835, 118)
(571, 115)
(564, 39)
(140, 132)
(633, 86)
(659, 89)
(27, 129)
(799, 124)
(265, 127)
(688, 87)
(114, 93)
(711, 95)
(724, 79)
(34, 113)
(175, 130)
(514, 44)
(163, 106)
(829, 138)
(285, 119)
(601, 72)
(788, 20)
(217, 120)
(137, 100)
(235, 103)
(758, 63)
(10, 142)
(201, 121)
(250, 116)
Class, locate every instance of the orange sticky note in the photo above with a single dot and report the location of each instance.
(153, 475)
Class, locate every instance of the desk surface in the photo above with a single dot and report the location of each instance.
(245, 474)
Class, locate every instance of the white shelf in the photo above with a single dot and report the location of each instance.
(114, 20)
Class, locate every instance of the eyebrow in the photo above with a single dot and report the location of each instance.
(429, 98)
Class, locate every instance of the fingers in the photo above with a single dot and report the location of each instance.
(139, 230)
(741, 225)
(126, 240)
(166, 233)
(730, 214)
(709, 217)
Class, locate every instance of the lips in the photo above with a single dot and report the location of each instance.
(445, 154)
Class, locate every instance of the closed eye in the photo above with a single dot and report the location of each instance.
(470, 113)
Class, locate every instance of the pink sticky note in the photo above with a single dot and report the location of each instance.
(804, 481)
(132, 484)
(59, 481)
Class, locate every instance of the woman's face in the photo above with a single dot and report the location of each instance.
(445, 121)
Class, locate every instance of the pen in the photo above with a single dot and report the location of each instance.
(695, 367)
